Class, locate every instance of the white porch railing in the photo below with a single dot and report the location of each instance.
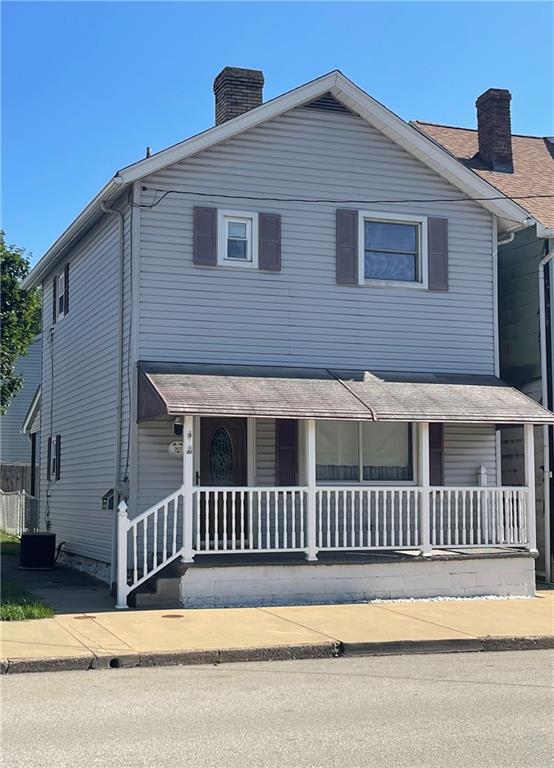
(477, 517)
(367, 518)
(267, 519)
(249, 519)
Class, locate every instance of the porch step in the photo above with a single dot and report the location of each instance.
(165, 594)
(162, 590)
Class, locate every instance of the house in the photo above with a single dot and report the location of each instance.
(271, 355)
(18, 452)
(520, 167)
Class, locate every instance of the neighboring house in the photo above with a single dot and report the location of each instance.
(276, 343)
(521, 167)
(18, 452)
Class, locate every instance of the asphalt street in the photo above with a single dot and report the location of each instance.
(454, 710)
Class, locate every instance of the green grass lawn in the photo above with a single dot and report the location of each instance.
(17, 604)
(9, 545)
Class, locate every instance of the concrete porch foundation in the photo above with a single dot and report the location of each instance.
(229, 584)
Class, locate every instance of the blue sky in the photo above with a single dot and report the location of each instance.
(87, 86)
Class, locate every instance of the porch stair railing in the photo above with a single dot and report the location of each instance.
(226, 520)
(148, 542)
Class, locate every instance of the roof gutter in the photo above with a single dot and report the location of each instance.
(546, 431)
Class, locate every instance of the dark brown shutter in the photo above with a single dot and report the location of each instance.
(286, 449)
(66, 289)
(437, 248)
(347, 247)
(49, 460)
(436, 454)
(58, 455)
(269, 237)
(54, 298)
(204, 249)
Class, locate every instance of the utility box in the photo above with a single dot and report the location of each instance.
(38, 550)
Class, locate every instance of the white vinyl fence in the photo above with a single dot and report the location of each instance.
(18, 512)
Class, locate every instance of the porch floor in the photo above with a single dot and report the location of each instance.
(350, 557)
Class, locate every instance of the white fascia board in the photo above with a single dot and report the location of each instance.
(35, 276)
(209, 138)
(32, 412)
(545, 232)
(426, 150)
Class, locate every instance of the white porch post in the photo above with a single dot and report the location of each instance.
(121, 555)
(311, 541)
(424, 480)
(188, 489)
(529, 453)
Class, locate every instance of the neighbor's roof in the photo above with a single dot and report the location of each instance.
(533, 158)
(320, 393)
(509, 213)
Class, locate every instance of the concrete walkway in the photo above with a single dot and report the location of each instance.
(146, 638)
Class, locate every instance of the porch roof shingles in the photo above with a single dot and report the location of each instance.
(210, 390)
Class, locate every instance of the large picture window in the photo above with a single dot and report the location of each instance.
(348, 451)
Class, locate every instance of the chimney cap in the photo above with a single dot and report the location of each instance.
(238, 73)
(494, 93)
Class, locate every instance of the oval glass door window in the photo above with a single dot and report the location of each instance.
(221, 458)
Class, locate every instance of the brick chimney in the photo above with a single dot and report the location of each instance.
(236, 91)
(495, 129)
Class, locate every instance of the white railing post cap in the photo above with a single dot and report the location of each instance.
(122, 507)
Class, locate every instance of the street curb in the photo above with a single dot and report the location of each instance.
(326, 650)
(531, 643)
(412, 646)
(52, 664)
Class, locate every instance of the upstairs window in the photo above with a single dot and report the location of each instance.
(238, 239)
(60, 295)
(392, 250)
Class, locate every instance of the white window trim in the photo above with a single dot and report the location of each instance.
(60, 281)
(224, 216)
(386, 217)
(378, 483)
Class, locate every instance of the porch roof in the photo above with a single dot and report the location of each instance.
(321, 393)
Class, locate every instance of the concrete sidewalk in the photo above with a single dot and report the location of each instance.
(132, 638)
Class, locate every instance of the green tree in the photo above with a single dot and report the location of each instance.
(19, 317)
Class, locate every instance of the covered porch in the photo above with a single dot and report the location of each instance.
(359, 465)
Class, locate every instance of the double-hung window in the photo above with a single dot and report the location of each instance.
(238, 239)
(358, 452)
(393, 249)
(61, 296)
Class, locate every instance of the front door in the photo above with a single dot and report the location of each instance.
(223, 463)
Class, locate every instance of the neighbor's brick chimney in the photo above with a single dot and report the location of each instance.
(494, 129)
(236, 91)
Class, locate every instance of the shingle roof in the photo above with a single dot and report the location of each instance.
(210, 390)
(533, 158)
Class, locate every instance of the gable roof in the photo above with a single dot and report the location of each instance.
(510, 214)
(533, 158)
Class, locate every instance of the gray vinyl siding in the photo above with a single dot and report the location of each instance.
(300, 315)
(159, 472)
(80, 359)
(518, 307)
(265, 452)
(513, 464)
(466, 448)
(15, 448)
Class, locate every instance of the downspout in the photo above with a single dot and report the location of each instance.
(118, 489)
(545, 429)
